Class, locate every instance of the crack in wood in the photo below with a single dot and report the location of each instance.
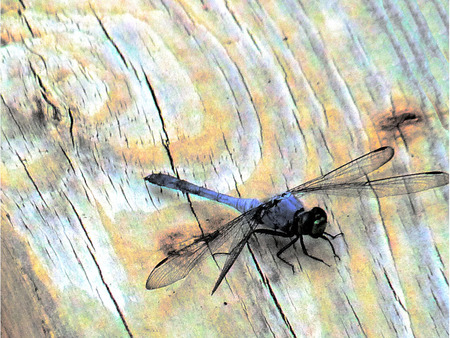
(272, 293)
(119, 311)
(32, 180)
(122, 57)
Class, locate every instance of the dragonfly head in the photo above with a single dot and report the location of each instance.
(313, 222)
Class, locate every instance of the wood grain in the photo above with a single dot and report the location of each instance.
(249, 99)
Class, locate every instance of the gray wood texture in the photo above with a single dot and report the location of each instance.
(249, 99)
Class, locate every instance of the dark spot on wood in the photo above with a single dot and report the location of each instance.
(38, 114)
(399, 119)
(405, 124)
(56, 114)
(171, 242)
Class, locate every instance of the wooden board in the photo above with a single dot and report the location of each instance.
(249, 99)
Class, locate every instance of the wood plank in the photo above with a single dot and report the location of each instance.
(246, 98)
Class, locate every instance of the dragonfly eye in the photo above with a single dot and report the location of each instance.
(320, 222)
(318, 227)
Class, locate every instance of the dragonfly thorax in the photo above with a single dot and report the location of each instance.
(312, 222)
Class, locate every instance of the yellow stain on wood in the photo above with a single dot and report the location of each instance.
(314, 85)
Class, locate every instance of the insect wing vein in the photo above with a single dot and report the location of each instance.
(348, 172)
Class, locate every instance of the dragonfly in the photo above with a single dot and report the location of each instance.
(282, 215)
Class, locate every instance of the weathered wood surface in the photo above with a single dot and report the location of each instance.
(248, 98)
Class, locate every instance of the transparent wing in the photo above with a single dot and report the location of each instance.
(391, 186)
(180, 262)
(351, 171)
(245, 231)
(176, 265)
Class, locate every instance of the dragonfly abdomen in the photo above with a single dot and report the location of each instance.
(240, 204)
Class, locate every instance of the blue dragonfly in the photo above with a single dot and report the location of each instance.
(282, 215)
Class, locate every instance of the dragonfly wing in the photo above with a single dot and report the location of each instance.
(351, 171)
(243, 231)
(391, 186)
(179, 263)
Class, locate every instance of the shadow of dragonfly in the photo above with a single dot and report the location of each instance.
(283, 215)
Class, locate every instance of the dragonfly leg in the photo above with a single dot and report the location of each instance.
(307, 254)
(271, 232)
(333, 236)
(331, 244)
(221, 253)
(283, 249)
